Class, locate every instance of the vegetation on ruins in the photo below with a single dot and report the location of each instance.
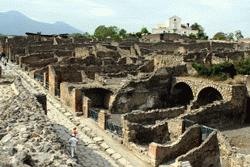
(80, 35)
(237, 35)
(113, 32)
(243, 67)
(224, 70)
(220, 36)
(201, 32)
(103, 32)
(217, 71)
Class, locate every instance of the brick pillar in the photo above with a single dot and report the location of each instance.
(85, 106)
(76, 100)
(102, 116)
(154, 152)
(53, 80)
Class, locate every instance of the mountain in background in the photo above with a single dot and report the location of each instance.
(16, 23)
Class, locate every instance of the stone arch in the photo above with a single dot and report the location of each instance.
(182, 93)
(99, 97)
(208, 95)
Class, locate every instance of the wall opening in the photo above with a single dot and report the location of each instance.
(99, 98)
(182, 94)
(208, 95)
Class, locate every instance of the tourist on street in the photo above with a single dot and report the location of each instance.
(73, 143)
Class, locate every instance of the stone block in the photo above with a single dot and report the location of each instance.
(104, 146)
(110, 151)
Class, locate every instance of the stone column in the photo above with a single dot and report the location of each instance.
(76, 100)
(102, 116)
(85, 106)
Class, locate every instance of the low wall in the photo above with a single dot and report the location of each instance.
(153, 115)
(207, 154)
(187, 141)
(140, 134)
(218, 110)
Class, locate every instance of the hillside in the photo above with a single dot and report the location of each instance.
(16, 23)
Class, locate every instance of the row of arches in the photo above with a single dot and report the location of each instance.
(183, 94)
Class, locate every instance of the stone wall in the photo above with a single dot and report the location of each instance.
(206, 155)
(151, 116)
(216, 112)
(198, 84)
(167, 61)
(82, 52)
(65, 93)
(229, 157)
(175, 127)
(147, 93)
(143, 134)
(190, 139)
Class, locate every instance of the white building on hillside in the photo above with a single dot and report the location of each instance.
(174, 26)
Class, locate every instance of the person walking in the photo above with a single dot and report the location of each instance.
(73, 143)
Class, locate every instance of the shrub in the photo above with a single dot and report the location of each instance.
(217, 71)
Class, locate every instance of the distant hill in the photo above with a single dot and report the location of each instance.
(16, 23)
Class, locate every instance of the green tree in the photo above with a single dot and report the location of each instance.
(220, 36)
(238, 35)
(123, 33)
(138, 34)
(192, 36)
(201, 32)
(102, 32)
(230, 36)
(144, 30)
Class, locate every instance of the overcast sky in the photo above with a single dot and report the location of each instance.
(86, 15)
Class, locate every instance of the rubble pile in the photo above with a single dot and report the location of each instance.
(27, 137)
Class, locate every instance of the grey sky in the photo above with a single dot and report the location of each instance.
(86, 15)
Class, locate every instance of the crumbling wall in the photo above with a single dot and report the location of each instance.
(82, 52)
(190, 139)
(143, 134)
(229, 156)
(206, 155)
(151, 116)
(147, 93)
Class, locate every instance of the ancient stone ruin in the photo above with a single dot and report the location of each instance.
(145, 94)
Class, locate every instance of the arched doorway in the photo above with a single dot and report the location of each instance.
(208, 95)
(99, 97)
(182, 94)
